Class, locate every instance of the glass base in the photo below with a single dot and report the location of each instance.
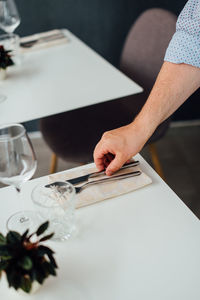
(62, 230)
(23, 220)
(62, 235)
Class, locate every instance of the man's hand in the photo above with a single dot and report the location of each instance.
(174, 84)
(117, 146)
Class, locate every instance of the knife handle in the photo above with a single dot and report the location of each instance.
(125, 166)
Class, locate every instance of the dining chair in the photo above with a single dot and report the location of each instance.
(73, 135)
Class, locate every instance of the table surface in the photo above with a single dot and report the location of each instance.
(58, 79)
(142, 245)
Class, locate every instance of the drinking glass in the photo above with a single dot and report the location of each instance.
(11, 42)
(9, 16)
(17, 164)
(56, 204)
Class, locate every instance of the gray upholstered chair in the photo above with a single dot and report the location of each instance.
(73, 135)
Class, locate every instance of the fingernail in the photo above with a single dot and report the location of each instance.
(108, 173)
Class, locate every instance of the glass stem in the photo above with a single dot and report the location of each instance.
(24, 218)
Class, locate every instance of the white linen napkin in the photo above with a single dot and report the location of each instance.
(96, 193)
(44, 44)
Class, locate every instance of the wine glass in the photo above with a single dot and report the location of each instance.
(9, 20)
(17, 165)
(9, 16)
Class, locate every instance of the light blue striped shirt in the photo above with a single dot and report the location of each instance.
(184, 46)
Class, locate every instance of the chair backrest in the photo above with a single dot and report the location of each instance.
(145, 46)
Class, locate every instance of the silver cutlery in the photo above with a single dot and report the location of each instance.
(59, 184)
(97, 174)
(48, 38)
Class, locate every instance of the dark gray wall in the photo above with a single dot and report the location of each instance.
(102, 24)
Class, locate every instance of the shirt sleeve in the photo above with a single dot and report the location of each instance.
(184, 46)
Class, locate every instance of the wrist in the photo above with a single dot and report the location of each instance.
(143, 128)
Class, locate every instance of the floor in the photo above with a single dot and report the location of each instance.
(179, 153)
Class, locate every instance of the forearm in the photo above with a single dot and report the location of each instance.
(179, 77)
(174, 84)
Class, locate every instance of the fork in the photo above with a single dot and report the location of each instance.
(78, 189)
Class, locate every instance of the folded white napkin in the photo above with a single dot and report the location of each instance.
(96, 193)
(42, 43)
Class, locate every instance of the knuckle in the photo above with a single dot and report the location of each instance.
(107, 135)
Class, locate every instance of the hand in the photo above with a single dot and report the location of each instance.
(117, 146)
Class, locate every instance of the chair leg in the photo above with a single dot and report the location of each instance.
(155, 160)
(53, 165)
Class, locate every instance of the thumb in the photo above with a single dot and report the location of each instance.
(115, 165)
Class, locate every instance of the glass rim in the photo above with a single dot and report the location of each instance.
(72, 195)
(3, 139)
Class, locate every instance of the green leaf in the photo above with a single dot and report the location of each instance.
(24, 235)
(42, 250)
(26, 284)
(49, 268)
(13, 237)
(3, 265)
(5, 257)
(13, 278)
(52, 260)
(5, 252)
(47, 237)
(42, 228)
(40, 276)
(26, 263)
(32, 274)
(2, 239)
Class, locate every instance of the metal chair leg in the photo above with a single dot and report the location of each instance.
(155, 160)
(53, 165)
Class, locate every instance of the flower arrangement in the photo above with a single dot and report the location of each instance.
(5, 58)
(24, 260)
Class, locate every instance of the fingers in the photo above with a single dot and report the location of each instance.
(115, 164)
(108, 158)
(100, 164)
(100, 158)
(111, 152)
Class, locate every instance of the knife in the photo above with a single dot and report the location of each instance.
(96, 174)
(59, 184)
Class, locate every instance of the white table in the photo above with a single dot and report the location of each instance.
(58, 79)
(142, 245)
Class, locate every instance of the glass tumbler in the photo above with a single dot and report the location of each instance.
(57, 205)
(11, 42)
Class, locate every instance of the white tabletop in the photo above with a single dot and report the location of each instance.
(58, 79)
(142, 245)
